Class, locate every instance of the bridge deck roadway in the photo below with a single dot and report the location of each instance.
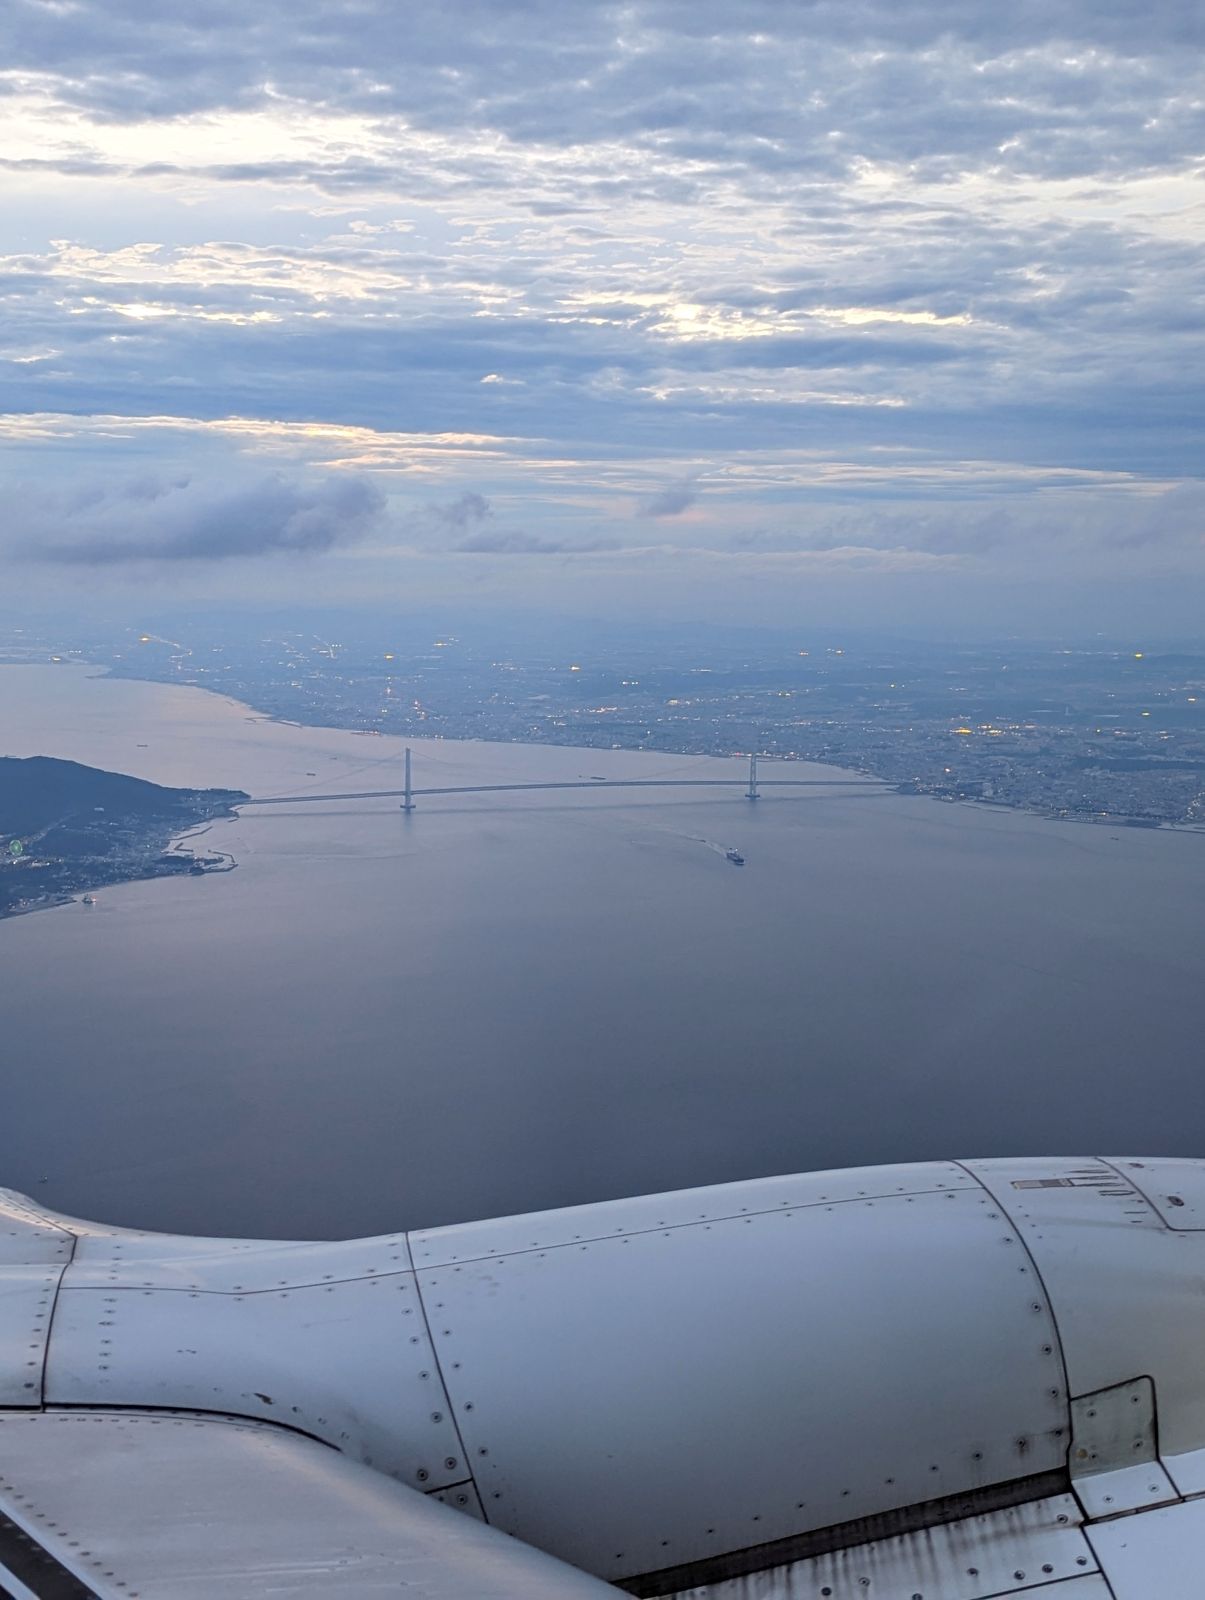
(577, 783)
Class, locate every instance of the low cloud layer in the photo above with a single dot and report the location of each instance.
(149, 520)
(513, 542)
(1091, 531)
(468, 510)
(670, 501)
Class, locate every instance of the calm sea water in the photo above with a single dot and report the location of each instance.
(504, 1003)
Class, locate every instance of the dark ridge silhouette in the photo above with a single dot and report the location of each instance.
(39, 791)
(65, 827)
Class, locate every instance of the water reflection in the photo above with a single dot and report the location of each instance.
(490, 1006)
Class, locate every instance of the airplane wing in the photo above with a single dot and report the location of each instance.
(128, 1505)
(950, 1381)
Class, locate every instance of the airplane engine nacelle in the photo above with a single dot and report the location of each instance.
(674, 1390)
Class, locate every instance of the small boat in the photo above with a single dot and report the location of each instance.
(735, 857)
(89, 899)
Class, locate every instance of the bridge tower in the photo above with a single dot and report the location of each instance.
(751, 792)
(408, 798)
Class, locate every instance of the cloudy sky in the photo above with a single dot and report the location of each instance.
(886, 308)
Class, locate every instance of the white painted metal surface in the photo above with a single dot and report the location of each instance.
(1113, 1428)
(229, 1266)
(720, 1384)
(179, 1508)
(1187, 1471)
(1124, 1286)
(33, 1254)
(328, 1338)
(687, 1378)
(28, 1235)
(26, 1299)
(1174, 1188)
(541, 1230)
(1035, 1547)
(349, 1362)
(101, 1254)
(461, 1497)
(1128, 1489)
(1159, 1555)
(1114, 1451)
(1091, 1587)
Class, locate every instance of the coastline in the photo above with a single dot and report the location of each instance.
(62, 843)
(441, 979)
(254, 714)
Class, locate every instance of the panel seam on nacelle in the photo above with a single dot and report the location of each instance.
(1037, 1272)
(1097, 1554)
(1132, 1183)
(194, 1290)
(782, 1209)
(78, 1410)
(443, 1383)
(54, 1306)
(916, 1518)
(24, 1207)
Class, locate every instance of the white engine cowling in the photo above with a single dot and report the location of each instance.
(674, 1391)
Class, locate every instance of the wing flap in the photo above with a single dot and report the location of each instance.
(187, 1507)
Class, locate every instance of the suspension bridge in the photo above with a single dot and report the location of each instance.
(409, 795)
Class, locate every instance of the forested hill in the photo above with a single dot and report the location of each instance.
(37, 792)
(65, 828)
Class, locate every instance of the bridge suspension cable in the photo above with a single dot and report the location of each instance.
(408, 793)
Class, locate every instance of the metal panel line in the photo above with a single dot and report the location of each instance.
(1037, 1272)
(665, 1227)
(447, 1393)
(844, 1535)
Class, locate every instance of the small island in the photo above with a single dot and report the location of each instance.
(66, 829)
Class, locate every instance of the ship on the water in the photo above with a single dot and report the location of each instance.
(735, 857)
